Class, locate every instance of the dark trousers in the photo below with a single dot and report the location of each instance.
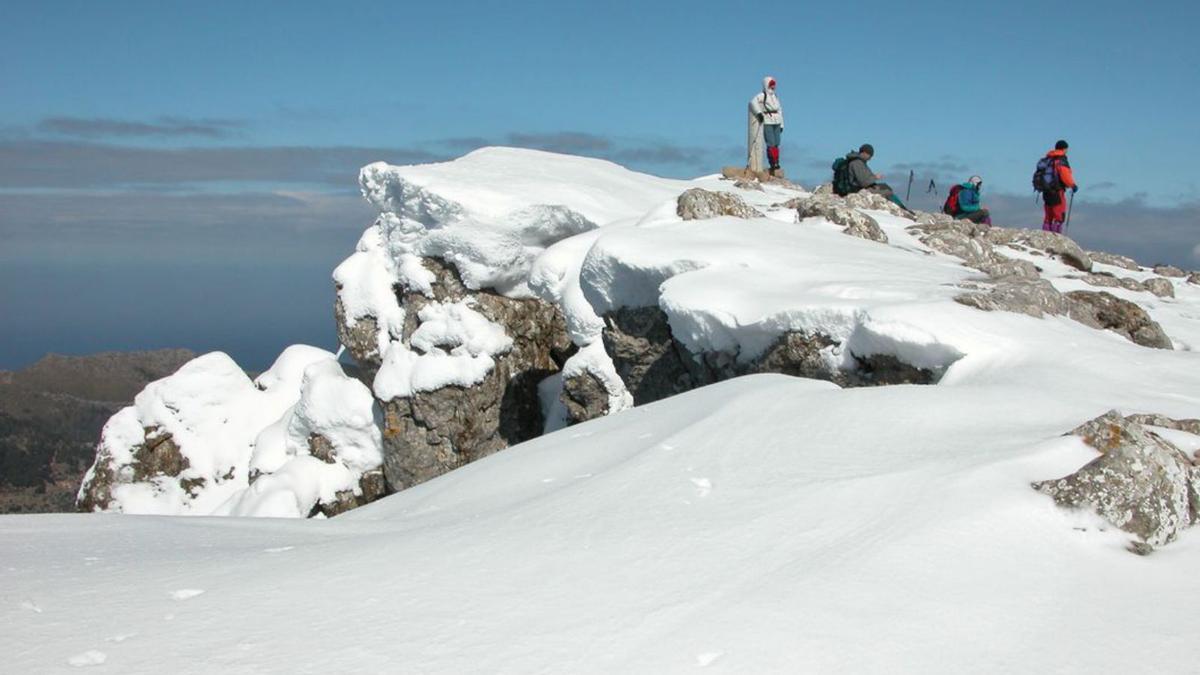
(980, 217)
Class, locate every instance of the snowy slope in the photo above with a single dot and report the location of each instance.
(764, 524)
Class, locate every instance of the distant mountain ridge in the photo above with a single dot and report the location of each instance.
(51, 414)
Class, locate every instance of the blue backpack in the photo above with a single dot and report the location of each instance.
(1045, 176)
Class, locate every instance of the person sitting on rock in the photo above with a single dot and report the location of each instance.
(969, 206)
(766, 112)
(859, 176)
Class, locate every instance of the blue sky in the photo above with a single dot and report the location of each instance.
(229, 133)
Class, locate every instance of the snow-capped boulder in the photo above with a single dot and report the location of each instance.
(1104, 310)
(701, 204)
(461, 382)
(185, 445)
(1140, 483)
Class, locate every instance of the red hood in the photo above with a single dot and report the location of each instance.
(1057, 153)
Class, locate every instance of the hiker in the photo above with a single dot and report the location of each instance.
(851, 174)
(1052, 178)
(963, 202)
(766, 124)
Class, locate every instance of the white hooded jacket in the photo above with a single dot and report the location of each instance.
(767, 103)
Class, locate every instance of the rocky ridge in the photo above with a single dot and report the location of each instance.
(549, 371)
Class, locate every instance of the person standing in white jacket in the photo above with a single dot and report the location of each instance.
(766, 124)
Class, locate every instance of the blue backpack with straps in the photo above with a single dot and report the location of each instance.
(1045, 176)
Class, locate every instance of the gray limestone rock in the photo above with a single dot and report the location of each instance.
(156, 456)
(1194, 278)
(1114, 260)
(654, 365)
(1169, 271)
(433, 432)
(1000, 267)
(973, 251)
(1035, 297)
(866, 199)
(1141, 483)
(837, 211)
(1104, 310)
(1160, 287)
(700, 204)
(1049, 242)
(585, 397)
(358, 339)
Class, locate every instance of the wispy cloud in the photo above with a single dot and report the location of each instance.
(162, 127)
(79, 164)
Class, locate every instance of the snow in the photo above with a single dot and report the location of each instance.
(763, 524)
(773, 520)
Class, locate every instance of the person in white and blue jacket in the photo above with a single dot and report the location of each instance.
(969, 205)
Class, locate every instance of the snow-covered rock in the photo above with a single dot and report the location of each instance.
(1140, 483)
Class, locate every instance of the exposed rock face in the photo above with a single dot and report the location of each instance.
(1194, 278)
(654, 365)
(1160, 287)
(1156, 285)
(585, 397)
(372, 486)
(1169, 271)
(974, 251)
(431, 432)
(157, 456)
(836, 210)
(699, 204)
(1050, 242)
(1140, 483)
(866, 199)
(1035, 297)
(359, 339)
(1114, 260)
(1105, 310)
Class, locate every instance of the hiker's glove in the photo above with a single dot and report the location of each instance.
(760, 117)
(1074, 189)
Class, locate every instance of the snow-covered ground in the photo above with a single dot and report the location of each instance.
(764, 524)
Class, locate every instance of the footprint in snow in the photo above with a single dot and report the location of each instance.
(278, 549)
(89, 658)
(120, 638)
(185, 593)
(31, 607)
(703, 486)
(708, 658)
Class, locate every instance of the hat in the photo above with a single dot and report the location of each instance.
(867, 149)
(975, 180)
(1061, 145)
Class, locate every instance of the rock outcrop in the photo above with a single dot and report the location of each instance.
(700, 204)
(838, 211)
(430, 432)
(653, 364)
(1140, 483)
(1105, 310)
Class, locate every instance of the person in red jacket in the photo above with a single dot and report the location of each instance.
(1055, 199)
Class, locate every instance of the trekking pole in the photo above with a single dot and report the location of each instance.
(908, 192)
(1070, 204)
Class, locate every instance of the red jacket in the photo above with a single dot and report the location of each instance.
(1065, 177)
